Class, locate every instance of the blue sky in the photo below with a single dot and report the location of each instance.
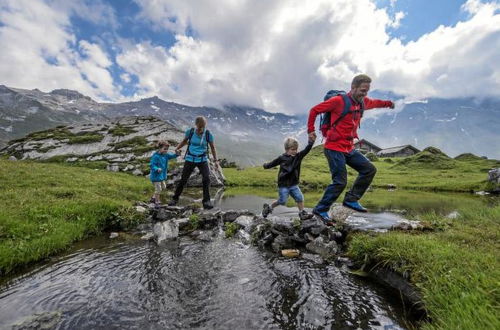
(279, 55)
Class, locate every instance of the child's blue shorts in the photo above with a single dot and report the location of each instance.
(293, 191)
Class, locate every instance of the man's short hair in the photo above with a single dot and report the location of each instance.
(290, 143)
(160, 144)
(359, 79)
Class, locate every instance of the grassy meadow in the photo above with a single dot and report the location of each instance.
(46, 207)
(424, 171)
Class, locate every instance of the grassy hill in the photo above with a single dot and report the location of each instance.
(428, 170)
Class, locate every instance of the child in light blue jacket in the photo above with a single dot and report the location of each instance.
(159, 167)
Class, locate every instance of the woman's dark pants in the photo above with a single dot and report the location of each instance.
(186, 173)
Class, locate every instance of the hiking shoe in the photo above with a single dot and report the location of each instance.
(173, 202)
(152, 200)
(323, 216)
(266, 210)
(208, 205)
(303, 215)
(355, 206)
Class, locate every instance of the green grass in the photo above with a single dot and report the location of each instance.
(456, 269)
(424, 171)
(45, 207)
(119, 130)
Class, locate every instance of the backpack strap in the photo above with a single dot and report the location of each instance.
(345, 111)
(190, 136)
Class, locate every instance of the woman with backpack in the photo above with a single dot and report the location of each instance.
(197, 139)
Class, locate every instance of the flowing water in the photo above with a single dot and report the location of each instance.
(219, 284)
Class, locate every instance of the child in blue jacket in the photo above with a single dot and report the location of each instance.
(159, 167)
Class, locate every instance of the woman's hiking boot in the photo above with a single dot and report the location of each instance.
(266, 210)
(208, 205)
(303, 215)
(355, 206)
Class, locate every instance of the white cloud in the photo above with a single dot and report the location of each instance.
(283, 55)
(39, 50)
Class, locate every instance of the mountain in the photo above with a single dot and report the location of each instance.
(250, 136)
(24, 111)
(454, 125)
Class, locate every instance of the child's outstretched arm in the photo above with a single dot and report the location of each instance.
(272, 163)
(306, 150)
(171, 155)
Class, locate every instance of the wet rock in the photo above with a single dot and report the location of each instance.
(340, 213)
(266, 240)
(48, 320)
(208, 219)
(324, 249)
(113, 235)
(407, 225)
(163, 214)
(203, 235)
(148, 236)
(334, 235)
(282, 243)
(144, 228)
(231, 215)
(313, 257)
(245, 221)
(244, 236)
(312, 226)
(183, 223)
(282, 225)
(166, 230)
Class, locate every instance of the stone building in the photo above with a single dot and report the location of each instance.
(365, 146)
(401, 151)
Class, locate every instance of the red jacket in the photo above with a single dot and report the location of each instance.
(341, 138)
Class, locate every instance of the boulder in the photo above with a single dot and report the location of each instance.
(166, 230)
(282, 243)
(12, 158)
(494, 175)
(340, 213)
(217, 178)
(137, 172)
(113, 167)
(245, 221)
(162, 214)
(325, 249)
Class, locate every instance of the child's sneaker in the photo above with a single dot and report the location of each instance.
(303, 215)
(266, 210)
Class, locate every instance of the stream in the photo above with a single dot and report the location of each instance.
(127, 283)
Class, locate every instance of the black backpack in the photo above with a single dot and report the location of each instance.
(191, 132)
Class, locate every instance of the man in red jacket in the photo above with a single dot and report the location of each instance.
(339, 146)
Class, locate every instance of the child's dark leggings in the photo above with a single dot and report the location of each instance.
(186, 173)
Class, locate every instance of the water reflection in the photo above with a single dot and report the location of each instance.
(221, 284)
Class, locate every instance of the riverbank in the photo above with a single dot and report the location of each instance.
(456, 268)
(44, 208)
(426, 171)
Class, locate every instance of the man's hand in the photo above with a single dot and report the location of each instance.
(312, 136)
(158, 170)
(177, 152)
(217, 165)
(392, 105)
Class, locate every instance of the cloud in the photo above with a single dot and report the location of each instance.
(280, 55)
(283, 55)
(40, 50)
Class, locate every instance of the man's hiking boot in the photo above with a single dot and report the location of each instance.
(208, 205)
(355, 206)
(323, 216)
(266, 210)
(152, 200)
(173, 202)
(303, 215)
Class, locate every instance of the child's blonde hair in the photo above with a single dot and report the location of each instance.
(291, 143)
(160, 144)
